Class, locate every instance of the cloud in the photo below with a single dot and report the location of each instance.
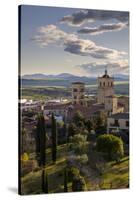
(88, 48)
(80, 17)
(103, 28)
(52, 35)
(93, 68)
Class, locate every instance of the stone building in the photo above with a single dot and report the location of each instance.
(78, 93)
(118, 122)
(124, 100)
(105, 87)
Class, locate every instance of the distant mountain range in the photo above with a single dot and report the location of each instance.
(70, 77)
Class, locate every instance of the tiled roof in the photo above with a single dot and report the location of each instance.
(87, 111)
(111, 96)
(57, 106)
(78, 83)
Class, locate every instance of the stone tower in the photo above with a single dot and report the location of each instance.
(78, 90)
(111, 104)
(105, 87)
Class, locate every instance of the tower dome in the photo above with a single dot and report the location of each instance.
(106, 74)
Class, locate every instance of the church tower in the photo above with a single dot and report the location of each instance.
(78, 90)
(105, 87)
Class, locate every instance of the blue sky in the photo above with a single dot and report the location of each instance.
(77, 41)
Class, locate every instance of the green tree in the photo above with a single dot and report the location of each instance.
(24, 157)
(89, 125)
(41, 141)
(65, 181)
(79, 119)
(65, 131)
(72, 130)
(110, 145)
(79, 184)
(73, 172)
(79, 144)
(44, 182)
(99, 125)
(54, 139)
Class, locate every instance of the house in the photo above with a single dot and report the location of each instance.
(118, 123)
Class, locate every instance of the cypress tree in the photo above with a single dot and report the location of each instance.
(43, 181)
(65, 181)
(37, 139)
(65, 131)
(54, 139)
(46, 184)
(41, 141)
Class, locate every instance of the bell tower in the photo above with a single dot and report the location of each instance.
(105, 87)
(78, 90)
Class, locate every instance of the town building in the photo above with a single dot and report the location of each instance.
(26, 105)
(107, 102)
(118, 123)
(105, 87)
(78, 93)
(124, 101)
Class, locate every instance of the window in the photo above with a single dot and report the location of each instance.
(81, 103)
(82, 97)
(75, 90)
(127, 123)
(82, 90)
(103, 83)
(100, 84)
(116, 122)
(75, 97)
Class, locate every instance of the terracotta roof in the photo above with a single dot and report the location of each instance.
(111, 96)
(87, 111)
(105, 76)
(78, 83)
(57, 106)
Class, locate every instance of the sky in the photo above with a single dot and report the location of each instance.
(82, 42)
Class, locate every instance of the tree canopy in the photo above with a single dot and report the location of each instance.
(110, 145)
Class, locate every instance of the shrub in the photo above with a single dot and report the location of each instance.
(110, 145)
(78, 117)
(73, 172)
(24, 157)
(78, 184)
(28, 166)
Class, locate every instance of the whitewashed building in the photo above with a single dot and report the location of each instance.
(118, 122)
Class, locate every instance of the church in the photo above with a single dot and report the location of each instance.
(106, 101)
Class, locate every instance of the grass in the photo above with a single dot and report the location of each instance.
(31, 183)
(117, 175)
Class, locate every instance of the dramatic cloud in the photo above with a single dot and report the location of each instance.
(103, 28)
(52, 35)
(93, 68)
(83, 16)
